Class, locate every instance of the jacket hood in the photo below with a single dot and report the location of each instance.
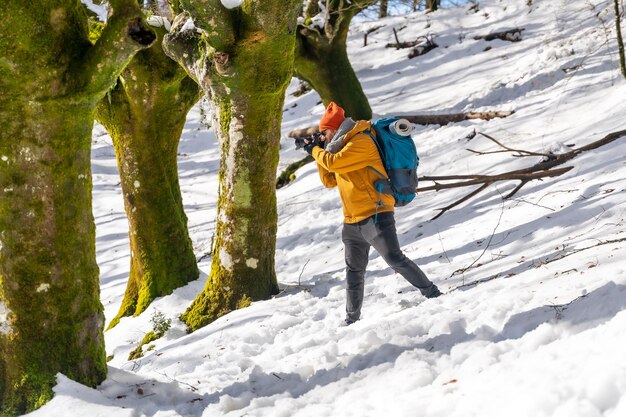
(347, 131)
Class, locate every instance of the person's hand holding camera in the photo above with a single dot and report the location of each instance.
(317, 139)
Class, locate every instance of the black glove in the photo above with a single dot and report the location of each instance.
(309, 147)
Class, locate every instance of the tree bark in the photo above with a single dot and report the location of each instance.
(322, 59)
(432, 5)
(145, 114)
(51, 79)
(620, 39)
(383, 8)
(244, 67)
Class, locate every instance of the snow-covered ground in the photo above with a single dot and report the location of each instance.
(532, 326)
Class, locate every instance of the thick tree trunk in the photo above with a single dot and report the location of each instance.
(322, 60)
(51, 78)
(242, 268)
(145, 115)
(50, 311)
(245, 71)
(328, 70)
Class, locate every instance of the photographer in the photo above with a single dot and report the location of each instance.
(348, 159)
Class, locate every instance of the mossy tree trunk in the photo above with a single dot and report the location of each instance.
(243, 59)
(322, 58)
(51, 79)
(145, 114)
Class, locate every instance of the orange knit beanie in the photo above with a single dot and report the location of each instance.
(333, 117)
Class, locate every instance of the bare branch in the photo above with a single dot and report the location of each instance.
(519, 151)
(482, 179)
(512, 35)
(444, 119)
(461, 200)
(516, 189)
(433, 119)
(298, 133)
(542, 169)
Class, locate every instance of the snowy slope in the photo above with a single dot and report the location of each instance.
(533, 320)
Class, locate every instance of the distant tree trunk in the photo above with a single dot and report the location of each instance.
(247, 105)
(51, 79)
(145, 114)
(416, 4)
(383, 8)
(432, 5)
(620, 40)
(322, 59)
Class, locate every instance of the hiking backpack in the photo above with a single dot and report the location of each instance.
(399, 158)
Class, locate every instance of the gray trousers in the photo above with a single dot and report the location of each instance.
(357, 239)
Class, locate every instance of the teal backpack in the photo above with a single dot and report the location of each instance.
(392, 137)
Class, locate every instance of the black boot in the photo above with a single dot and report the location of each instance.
(432, 292)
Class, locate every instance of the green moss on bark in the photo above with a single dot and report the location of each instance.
(145, 115)
(49, 287)
(246, 82)
(48, 272)
(321, 59)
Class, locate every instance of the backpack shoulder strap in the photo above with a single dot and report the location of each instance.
(375, 135)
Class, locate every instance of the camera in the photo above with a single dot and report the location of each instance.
(316, 138)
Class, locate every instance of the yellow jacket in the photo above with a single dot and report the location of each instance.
(350, 169)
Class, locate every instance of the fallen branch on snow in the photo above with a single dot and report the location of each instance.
(540, 170)
(429, 119)
(444, 119)
(512, 35)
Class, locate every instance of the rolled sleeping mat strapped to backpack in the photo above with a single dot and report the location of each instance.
(401, 127)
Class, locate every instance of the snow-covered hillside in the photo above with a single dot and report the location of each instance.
(533, 317)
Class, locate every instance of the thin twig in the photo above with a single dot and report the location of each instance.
(177, 381)
(462, 270)
(534, 204)
(304, 266)
(491, 278)
(397, 40)
(520, 151)
(516, 189)
(442, 247)
(601, 243)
